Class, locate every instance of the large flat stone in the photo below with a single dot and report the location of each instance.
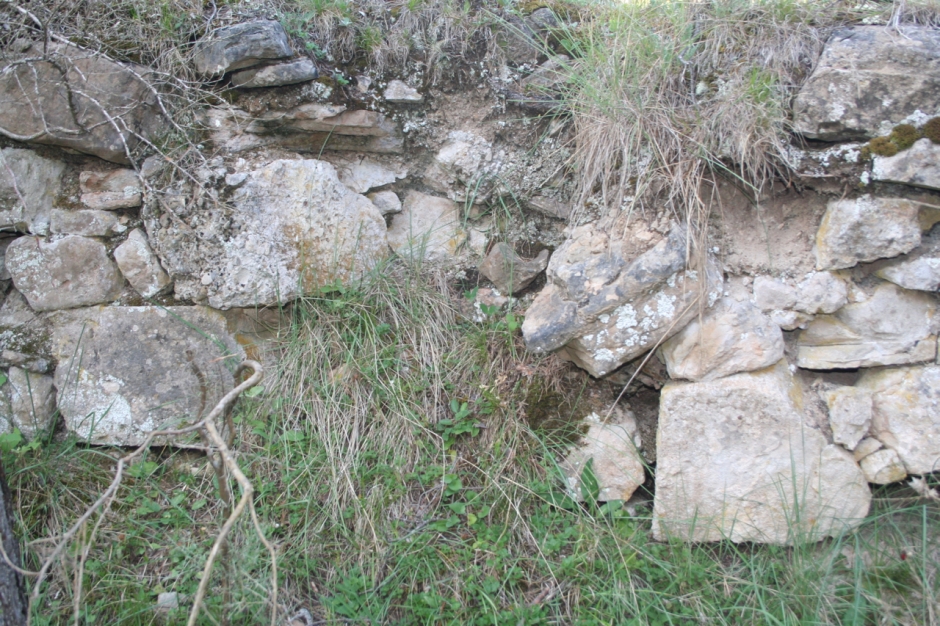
(868, 79)
(239, 46)
(736, 460)
(26, 196)
(866, 229)
(295, 71)
(918, 166)
(428, 227)
(30, 399)
(919, 269)
(893, 327)
(906, 413)
(126, 371)
(63, 274)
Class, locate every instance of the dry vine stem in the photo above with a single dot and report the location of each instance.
(207, 427)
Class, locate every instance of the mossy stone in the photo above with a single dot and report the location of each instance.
(883, 146)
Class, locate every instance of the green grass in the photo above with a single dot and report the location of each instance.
(398, 474)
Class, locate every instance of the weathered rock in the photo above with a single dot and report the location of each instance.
(732, 337)
(363, 175)
(868, 79)
(66, 95)
(883, 467)
(31, 399)
(790, 320)
(771, 294)
(919, 270)
(86, 223)
(868, 445)
(617, 465)
(893, 327)
(550, 206)
(127, 371)
(292, 72)
(428, 227)
(24, 337)
(607, 302)
(106, 191)
(866, 229)
(291, 227)
(140, 265)
(463, 168)
(63, 274)
(398, 91)
(918, 166)
(239, 46)
(906, 413)
(387, 202)
(509, 271)
(26, 197)
(4, 244)
(518, 40)
(736, 460)
(849, 414)
(821, 292)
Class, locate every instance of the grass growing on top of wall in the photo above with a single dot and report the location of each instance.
(398, 476)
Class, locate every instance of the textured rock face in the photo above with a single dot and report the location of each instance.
(866, 229)
(869, 78)
(892, 327)
(31, 399)
(616, 462)
(26, 197)
(106, 191)
(849, 414)
(883, 467)
(365, 174)
(140, 265)
(919, 270)
(397, 91)
(732, 337)
(387, 202)
(607, 303)
(463, 168)
(509, 271)
(126, 371)
(49, 106)
(295, 71)
(428, 227)
(918, 166)
(239, 46)
(906, 413)
(734, 455)
(64, 274)
(86, 223)
(292, 227)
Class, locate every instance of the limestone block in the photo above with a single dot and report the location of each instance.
(883, 467)
(463, 168)
(866, 229)
(362, 175)
(239, 46)
(387, 202)
(849, 415)
(428, 227)
(868, 79)
(920, 269)
(736, 460)
(126, 371)
(85, 223)
(918, 166)
(398, 91)
(63, 274)
(509, 271)
(616, 462)
(868, 445)
(107, 191)
(27, 195)
(893, 327)
(906, 413)
(140, 265)
(732, 337)
(31, 400)
(292, 72)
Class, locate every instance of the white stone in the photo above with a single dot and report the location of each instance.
(736, 460)
(771, 294)
(866, 446)
(365, 174)
(140, 265)
(919, 166)
(883, 467)
(86, 223)
(463, 168)
(387, 202)
(616, 462)
(398, 91)
(866, 229)
(922, 273)
(27, 196)
(428, 227)
(821, 292)
(31, 401)
(849, 414)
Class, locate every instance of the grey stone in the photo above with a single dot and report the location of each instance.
(550, 206)
(892, 327)
(140, 265)
(398, 91)
(387, 202)
(428, 227)
(239, 46)
(24, 337)
(543, 19)
(869, 78)
(31, 401)
(518, 40)
(609, 300)
(509, 271)
(292, 72)
(906, 413)
(63, 274)
(27, 196)
(4, 244)
(290, 228)
(65, 95)
(729, 338)
(168, 601)
(919, 269)
(821, 292)
(736, 460)
(362, 175)
(617, 465)
(918, 166)
(86, 223)
(866, 229)
(126, 371)
(771, 294)
(883, 467)
(849, 415)
(124, 181)
(463, 168)
(866, 446)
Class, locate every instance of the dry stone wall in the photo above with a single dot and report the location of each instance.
(797, 356)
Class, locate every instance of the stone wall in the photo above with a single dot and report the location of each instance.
(799, 351)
